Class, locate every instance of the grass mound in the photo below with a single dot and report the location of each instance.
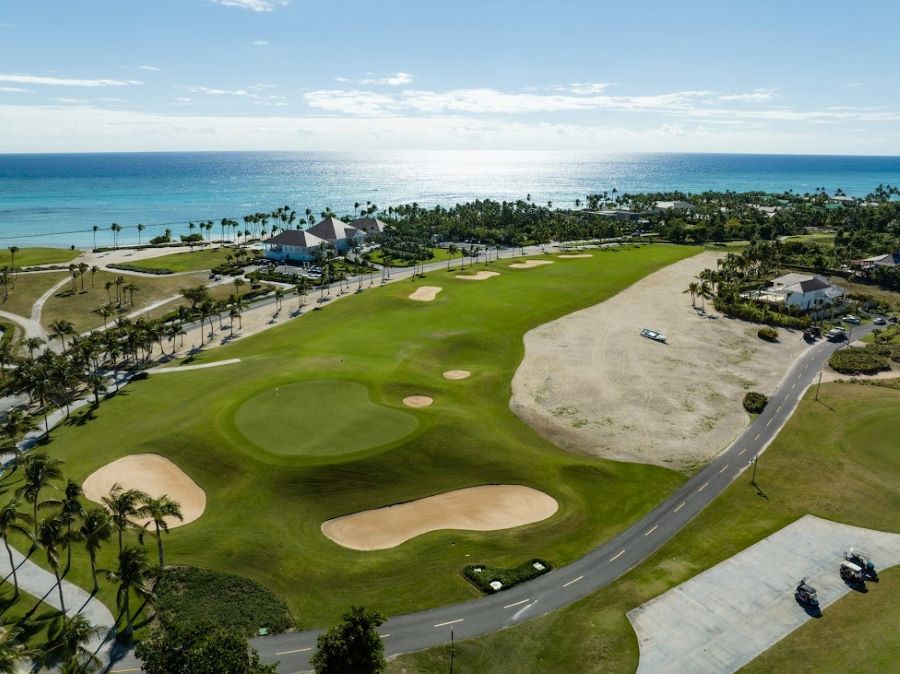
(187, 595)
(482, 575)
(320, 418)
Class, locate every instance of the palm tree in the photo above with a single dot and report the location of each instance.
(70, 511)
(12, 256)
(108, 285)
(693, 288)
(69, 638)
(50, 535)
(39, 472)
(83, 268)
(13, 521)
(31, 344)
(96, 228)
(451, 251)
(704, 293)
(124, 505)
(95, 530)
(16, 425)
(60, 329)
(116, 228)
(159, 510)
(132, 574)
(12, 651)
(94, 271)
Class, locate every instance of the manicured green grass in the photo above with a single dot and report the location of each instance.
(27, 288)
(822, 239)
(198, 260)
(440, 254)
(80, 305)
(836, 458)
(27, 257)
(264, 510)
(29, 614)
(296, 419)
(855, 636)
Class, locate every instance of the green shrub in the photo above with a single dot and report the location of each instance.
(186, 595)
(755, 402)
(482, 575)
(867, 360)
(768, 334)
(126, 266)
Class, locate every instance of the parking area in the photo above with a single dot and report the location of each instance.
(723, 618)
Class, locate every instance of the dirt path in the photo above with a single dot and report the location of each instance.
(591, 383)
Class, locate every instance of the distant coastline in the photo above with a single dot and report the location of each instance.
(56, 199)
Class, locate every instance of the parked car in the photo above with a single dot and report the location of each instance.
(879, 320)
(850, 318)
(837, 334)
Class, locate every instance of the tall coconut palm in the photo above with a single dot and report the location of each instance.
(124, 506)
(51, 534)
(60, 329)
(16, 425)
(96, 529)
(13, 521)
(39, 472)
(12, 650)
(96, 228)
(71, 511)
(32, 344)
(12, 256)
(70, 639)
(132, 574)
(451, 251)
(693, 288)
(160, 511)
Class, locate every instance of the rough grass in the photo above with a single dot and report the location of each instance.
(264, 511)
(198, 260)
(187, 596)
(27, 257)
(844, 445)
(297, 419)
(27, 289)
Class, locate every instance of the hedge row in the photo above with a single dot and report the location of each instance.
(751, 312)
(482, 575)
(127, 266)
(867, 360)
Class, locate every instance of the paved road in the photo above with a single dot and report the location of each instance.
(598, 568)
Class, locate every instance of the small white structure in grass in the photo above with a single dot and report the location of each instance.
(539, 566)
(496, 585)
(477, 569)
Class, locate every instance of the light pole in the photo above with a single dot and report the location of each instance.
(819, 384)
(451, 649)
(755, 461)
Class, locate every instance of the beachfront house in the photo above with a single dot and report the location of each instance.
(299, 245)
(803, 291)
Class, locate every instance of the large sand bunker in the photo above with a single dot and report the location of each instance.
(578, 256)
(486, 508)
(590, 382)
(425, 293)
(457, 374)
(153, 474)
(528, 264)
(478, 276)
(417, 401)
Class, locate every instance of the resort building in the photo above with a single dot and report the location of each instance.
(298, 245)
(370, 226)
(661, 206)
(887, 260)
(802, 291)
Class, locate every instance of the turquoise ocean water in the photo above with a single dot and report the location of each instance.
(57, 199)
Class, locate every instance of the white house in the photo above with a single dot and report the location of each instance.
(661, 206)
(804, 291)
(887, 260)
(298, 245)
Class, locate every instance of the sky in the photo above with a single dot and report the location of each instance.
(758, 76)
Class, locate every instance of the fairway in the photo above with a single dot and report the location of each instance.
(320, 418)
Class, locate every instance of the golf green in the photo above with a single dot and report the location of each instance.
(320, 418)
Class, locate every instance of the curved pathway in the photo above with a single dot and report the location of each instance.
(597, 569)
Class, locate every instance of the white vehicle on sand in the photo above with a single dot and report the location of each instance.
(655, 335)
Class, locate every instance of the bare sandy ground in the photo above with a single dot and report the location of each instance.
(457, 374)
(486, 508)
(591, 383)
(528, 264)
(417, 401)
(131, 254)
(574, 257)
(478, 276)
(425, 293)
(153, 474)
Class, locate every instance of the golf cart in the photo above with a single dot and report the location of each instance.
(812, 333)
(851, 573)
(806, 594)
(862, 560)
(655, 335)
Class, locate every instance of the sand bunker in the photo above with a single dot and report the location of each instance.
(486, 508)
(589, 382)
(478, 276)
(153, 474)
(417, 401)
(425, 293)
(574, 257)
(457, 374)
(528, 264)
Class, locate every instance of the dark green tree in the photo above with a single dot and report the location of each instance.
(353, 646)
(200, 649)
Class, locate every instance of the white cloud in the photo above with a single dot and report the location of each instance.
(152, 69)
(65, 82)
(212, 91)
(253, 5)
(756, 96)
(260, 43)
(15, 90)
(395, 80)
(588, 87)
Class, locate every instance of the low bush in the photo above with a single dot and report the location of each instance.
(749, 311)
(187, 595)
(482, 575)
(768, 334)
(127, 266)
(755, 402)
(869, 360)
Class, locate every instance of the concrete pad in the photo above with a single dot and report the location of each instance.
(721, 619)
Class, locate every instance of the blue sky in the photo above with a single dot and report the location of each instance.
(739, 76)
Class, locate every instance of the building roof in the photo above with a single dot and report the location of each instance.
(330, 229)
(889, 260)
(295, 237)
(813, 284)
(369, 225)
(805, 283)
(677, 205)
